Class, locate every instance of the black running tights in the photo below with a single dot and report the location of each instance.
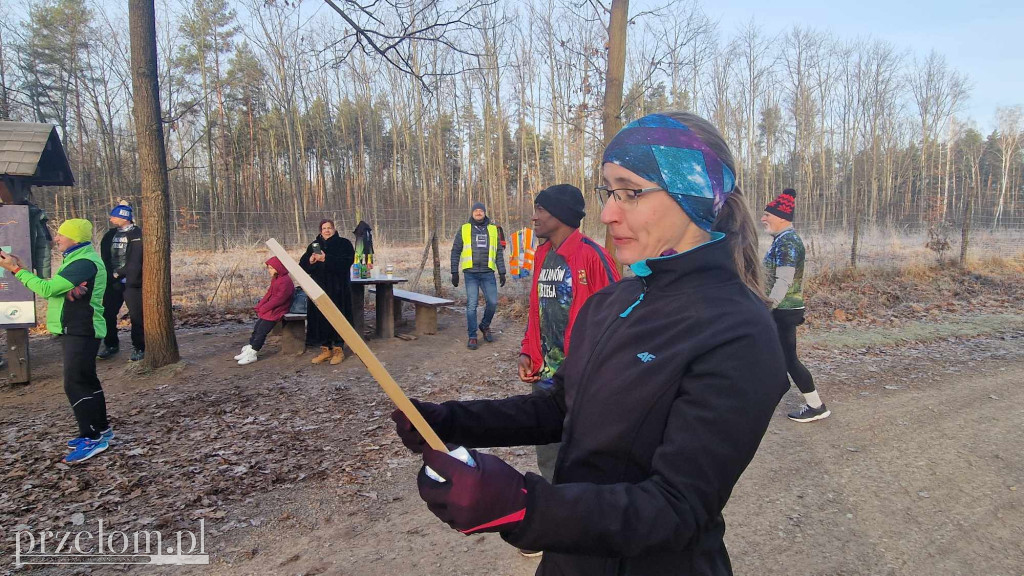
(786, 321)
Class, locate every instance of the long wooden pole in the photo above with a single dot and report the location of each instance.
(317, 295)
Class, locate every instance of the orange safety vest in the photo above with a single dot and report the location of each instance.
(523, 246)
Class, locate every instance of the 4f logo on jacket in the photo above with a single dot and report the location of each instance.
(646, 357)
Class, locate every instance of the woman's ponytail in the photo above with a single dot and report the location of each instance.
(735, 221)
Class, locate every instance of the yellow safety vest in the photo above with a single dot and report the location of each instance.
(466, 258)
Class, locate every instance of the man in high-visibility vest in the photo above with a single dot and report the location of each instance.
(478, 254)
(522, 247)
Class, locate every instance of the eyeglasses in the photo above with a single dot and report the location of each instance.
(626, 197)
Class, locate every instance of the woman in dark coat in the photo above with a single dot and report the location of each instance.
(328, 260)
(672, 380)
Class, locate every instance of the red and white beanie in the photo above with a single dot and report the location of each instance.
(783, 205)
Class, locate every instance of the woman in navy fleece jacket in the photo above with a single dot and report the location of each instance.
(673, 377)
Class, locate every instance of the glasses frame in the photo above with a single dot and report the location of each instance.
(624, 196)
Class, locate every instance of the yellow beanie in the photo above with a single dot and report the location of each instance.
(77, 229)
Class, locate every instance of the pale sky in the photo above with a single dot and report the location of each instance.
(980, 38)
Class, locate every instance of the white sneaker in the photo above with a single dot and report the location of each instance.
(245, 350)
(248, 358)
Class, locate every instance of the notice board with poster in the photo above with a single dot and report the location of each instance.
(17, 303)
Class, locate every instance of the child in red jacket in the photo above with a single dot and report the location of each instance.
(270, 309)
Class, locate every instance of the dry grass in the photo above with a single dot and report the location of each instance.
(879, 248)
(893, 271)
(222, 281)
(234, 280)
(213, 282)
(915, 290)
(897, 280)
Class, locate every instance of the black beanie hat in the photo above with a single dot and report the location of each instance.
(784, 205)
(563, 201)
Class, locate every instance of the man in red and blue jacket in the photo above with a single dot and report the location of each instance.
(569, 268)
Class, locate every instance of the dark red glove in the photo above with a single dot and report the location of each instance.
(435, 414)
(78, 292)
(489, 497)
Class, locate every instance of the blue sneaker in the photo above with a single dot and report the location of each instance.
(107, 435)
(86, 450)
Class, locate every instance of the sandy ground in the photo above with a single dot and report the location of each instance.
(295, 469)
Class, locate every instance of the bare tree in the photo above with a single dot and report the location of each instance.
(5, 100)
(1009, 126)
(880, 69)
(305, 117)
(161, 344)
(391, 28)
(611, 115)
(800, 58)
(851, 106)
(971, 148)
(939, 92)
(757, 61)
(686, 33)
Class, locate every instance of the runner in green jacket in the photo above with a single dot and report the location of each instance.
(74, 313)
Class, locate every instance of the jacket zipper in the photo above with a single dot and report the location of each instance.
(638, 301)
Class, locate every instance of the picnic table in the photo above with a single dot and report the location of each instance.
(426, 309)
(389, 312)
(385, 293)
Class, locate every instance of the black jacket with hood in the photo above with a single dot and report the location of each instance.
(659, 411)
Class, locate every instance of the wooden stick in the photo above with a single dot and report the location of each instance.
(317, 295)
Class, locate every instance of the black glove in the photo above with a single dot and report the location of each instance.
(488, 497)
(435, 414)
(501, 279)
(455, 279)
(78, 292)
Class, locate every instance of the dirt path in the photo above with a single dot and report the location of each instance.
(906, 482)
(926, 480)
(296, 470)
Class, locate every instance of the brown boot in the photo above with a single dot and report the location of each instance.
(325, 354)
(337, 355)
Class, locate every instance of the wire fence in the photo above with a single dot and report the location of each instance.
(829, 242)
(831, 238)
(233, 276)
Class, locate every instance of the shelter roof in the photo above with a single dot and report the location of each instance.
(34, 152)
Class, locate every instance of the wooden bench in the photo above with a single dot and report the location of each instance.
(292, 329)
(426, 309)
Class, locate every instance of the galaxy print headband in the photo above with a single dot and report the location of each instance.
(665, 151)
